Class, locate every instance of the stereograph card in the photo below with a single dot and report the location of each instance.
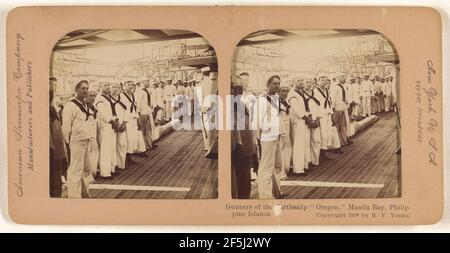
(228, 116)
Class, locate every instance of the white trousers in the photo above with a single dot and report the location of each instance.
(79, 170)
(207, 132)
(159, 115)
(315, 145)
(94, 154)
(140, 142)
(107, 150)
(361, 107)
(325, 131)
(334, 140)
(355, 111)
(387, 103)
(135, 140)
(367, 104)
(168, 109)
(121, 150)
(307, 146)
(298, 152)
(270, 170)
(286, 149)
(347, 122)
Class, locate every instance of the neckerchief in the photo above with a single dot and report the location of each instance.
(304, 100)
(343, 92)
(114, 102)
(93, 110)
(148, 96)
(286, 105)
(327, 97)
(309, 97)
(132, 101)
(83, 107)
(113, 109)
(275, 105)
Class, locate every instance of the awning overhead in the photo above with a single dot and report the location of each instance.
(273, 36)
(82, 39)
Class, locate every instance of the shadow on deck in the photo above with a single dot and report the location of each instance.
(177, 169)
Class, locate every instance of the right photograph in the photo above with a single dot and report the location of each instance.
(316, 115)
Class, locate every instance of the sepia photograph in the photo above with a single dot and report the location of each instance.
(319, 117)
(117, 101)
(240, 115)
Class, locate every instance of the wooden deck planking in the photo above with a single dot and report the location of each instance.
(177, 162)
(179, 171)
(370, 159)
(376, 154)
(340, 171)
(384, 174)
(374, 169)
(339, 163)
(389, 167)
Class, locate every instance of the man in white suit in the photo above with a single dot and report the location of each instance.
(366, 92)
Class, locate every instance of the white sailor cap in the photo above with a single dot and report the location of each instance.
(286, 84)
(115, 80)
(102, 80)
(339, 74)
(93, 88)
(141, 79)
(307, 76)
(78, 80)
(320, 75)
(127, 79)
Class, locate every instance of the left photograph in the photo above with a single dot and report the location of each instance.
(130, 115)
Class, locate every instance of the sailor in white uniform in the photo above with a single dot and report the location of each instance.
(158, 102)
(356, 94)
(366, 92)
(312, 106)
(206, 94)
(169, 94)
(322, 94)
(107, 122)
(271, 165)
(340, 98)
(286, 137)
(298, 117)
(145, 110)
(334, 142)
(135, 140)
(77, 132)
(94, 151)
(120, 132)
